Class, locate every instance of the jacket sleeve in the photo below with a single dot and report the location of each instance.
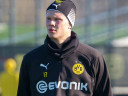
(24, 87)
(102, 79)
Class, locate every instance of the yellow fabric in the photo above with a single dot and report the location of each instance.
(9, 84)
(10, 65)
(9, 78)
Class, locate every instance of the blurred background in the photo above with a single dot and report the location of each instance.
(101, 24)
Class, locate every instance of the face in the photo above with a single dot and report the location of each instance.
(57, 25)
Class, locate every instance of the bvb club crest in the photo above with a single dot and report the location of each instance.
(78, 68)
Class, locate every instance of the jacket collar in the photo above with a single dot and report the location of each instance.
(67, 47)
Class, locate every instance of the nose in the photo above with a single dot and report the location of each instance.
(51, 23)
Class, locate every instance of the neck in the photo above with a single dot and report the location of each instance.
(60, 42)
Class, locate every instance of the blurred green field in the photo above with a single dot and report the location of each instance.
(97, 34)
(19, 30)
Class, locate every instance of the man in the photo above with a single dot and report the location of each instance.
(62, 66)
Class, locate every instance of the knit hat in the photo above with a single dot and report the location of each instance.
(66, 7)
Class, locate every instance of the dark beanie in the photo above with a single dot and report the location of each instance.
(66, 7)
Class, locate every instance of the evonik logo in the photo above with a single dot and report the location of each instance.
(42, 86)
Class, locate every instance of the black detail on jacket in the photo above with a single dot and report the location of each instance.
(60, 79)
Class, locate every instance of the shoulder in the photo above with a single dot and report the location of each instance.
(88, 51)
(35, 53)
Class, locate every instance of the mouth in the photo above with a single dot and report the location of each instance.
(52, 30)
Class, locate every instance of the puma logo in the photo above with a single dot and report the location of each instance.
(45, 66)
(56, 5)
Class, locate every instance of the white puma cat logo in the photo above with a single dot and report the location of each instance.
(56, 5)
(45, 66)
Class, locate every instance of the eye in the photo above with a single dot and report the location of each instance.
(57, 19)
(48, 18)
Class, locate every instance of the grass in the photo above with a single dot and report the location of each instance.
(83, 32)
(100, 34)
(4, 33)
(122, 32)
(115, 63)
(20, 29)
(24, 28)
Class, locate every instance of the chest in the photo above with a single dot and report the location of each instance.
(70, 73)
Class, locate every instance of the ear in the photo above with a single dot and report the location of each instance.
(70, 27)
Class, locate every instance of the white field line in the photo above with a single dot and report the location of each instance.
(120, 90)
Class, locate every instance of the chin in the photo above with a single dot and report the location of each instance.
(52, 36)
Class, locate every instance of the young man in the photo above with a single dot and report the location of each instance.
(62, 66)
